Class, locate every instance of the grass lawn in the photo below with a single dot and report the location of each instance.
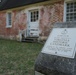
(18, 58)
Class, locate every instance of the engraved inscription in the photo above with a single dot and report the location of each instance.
(60, 42)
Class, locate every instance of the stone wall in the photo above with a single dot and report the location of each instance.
(49, 15)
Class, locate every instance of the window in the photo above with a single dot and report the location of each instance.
(71, 11)
(9, 19)
(34, 15)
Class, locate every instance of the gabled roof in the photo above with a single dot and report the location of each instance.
(8, 4)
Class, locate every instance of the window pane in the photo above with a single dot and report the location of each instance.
(75, 5)
(74, 9)
(68, 10)
(9, 18)
(71, 11)
(34, 15)
(67, 18)
(74, 16)
(71, 15)
(68, 4)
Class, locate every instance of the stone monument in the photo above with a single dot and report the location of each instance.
(58, 54)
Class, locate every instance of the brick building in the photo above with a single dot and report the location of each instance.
(33, 18)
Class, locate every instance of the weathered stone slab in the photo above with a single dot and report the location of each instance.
(49, 64)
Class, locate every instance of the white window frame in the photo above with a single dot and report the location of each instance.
(65, 8)
(34, 19)
(32, 8)
(64, 17)
(7, 21)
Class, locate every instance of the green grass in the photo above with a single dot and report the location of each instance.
(18, 58)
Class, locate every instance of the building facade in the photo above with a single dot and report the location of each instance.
(35, 19)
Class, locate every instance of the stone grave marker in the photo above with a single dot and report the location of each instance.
(58, 54)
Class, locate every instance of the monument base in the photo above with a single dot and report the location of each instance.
(49, 64)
